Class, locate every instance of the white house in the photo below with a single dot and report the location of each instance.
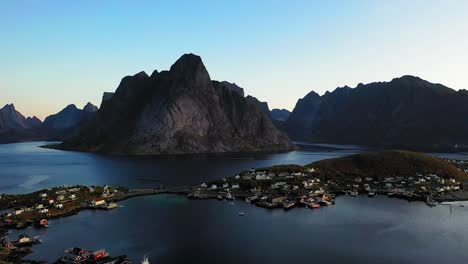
(23, 239)
(18, 211)
(59, 206)
(43, 195)
(98, 202)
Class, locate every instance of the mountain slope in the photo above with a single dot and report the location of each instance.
(387, 164)
(279, 114)
(12, 119)
(178, 111)
(407, 111)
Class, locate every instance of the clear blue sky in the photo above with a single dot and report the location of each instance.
(53, 53)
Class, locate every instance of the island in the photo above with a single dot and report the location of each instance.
(403, 174)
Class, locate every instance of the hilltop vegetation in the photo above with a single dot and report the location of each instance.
(387, 164)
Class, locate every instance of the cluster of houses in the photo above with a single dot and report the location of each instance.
(308, 187)
(101, 256)
(47, 201)
(409, 187)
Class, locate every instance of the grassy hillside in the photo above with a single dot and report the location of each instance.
(387, 164)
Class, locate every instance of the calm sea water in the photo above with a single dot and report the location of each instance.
(172, 229)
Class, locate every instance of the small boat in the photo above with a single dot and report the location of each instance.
(371, 194)
(315, 206)
(229, 196)
(241, 214)
(289, 205)
(145, 260)
(430, 202)
(219, 197)
(355, 194)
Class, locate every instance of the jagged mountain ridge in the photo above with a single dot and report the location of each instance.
(10, 118)
(178, 111)
(406, 111)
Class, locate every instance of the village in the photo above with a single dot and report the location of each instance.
(296, 186)
(36, 209)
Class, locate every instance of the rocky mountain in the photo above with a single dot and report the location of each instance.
(69, 121)
(33, 122)
(262, 105)
(14, 127)
(89, 107)
(406, 111)
(12, 119)
(279, 114)
(178, 111)
(70, 117)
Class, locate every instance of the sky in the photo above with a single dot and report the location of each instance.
(54, 53)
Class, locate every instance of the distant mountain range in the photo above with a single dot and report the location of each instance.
(12, 119)
(14, 127)
(179, 111)
(406, 112)
(183, 111)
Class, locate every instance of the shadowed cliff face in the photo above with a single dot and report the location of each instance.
(178, 111)
(407, 111)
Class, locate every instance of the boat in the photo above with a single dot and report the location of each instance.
(430, 202)
(241, 214)
(145, 260)
(229, 196)
(371, 194)
(219, 197)
(315, 206)
(355, 194)
(289, 205)
(43, 223)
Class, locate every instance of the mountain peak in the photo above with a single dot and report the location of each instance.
(191, 69)
(9, 107)
(89, 107)
(70, 107)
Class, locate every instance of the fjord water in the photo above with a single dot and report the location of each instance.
(172, 229)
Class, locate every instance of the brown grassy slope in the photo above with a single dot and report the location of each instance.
(387, 164)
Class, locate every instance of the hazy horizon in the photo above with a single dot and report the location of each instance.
(56, 53)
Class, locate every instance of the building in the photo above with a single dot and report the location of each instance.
(7, 244)
(23, 238)
(98, 202)
(18, 211)
(44, 211)
(51, 200)
(43, 195)
(59, 206)
(72, 196)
